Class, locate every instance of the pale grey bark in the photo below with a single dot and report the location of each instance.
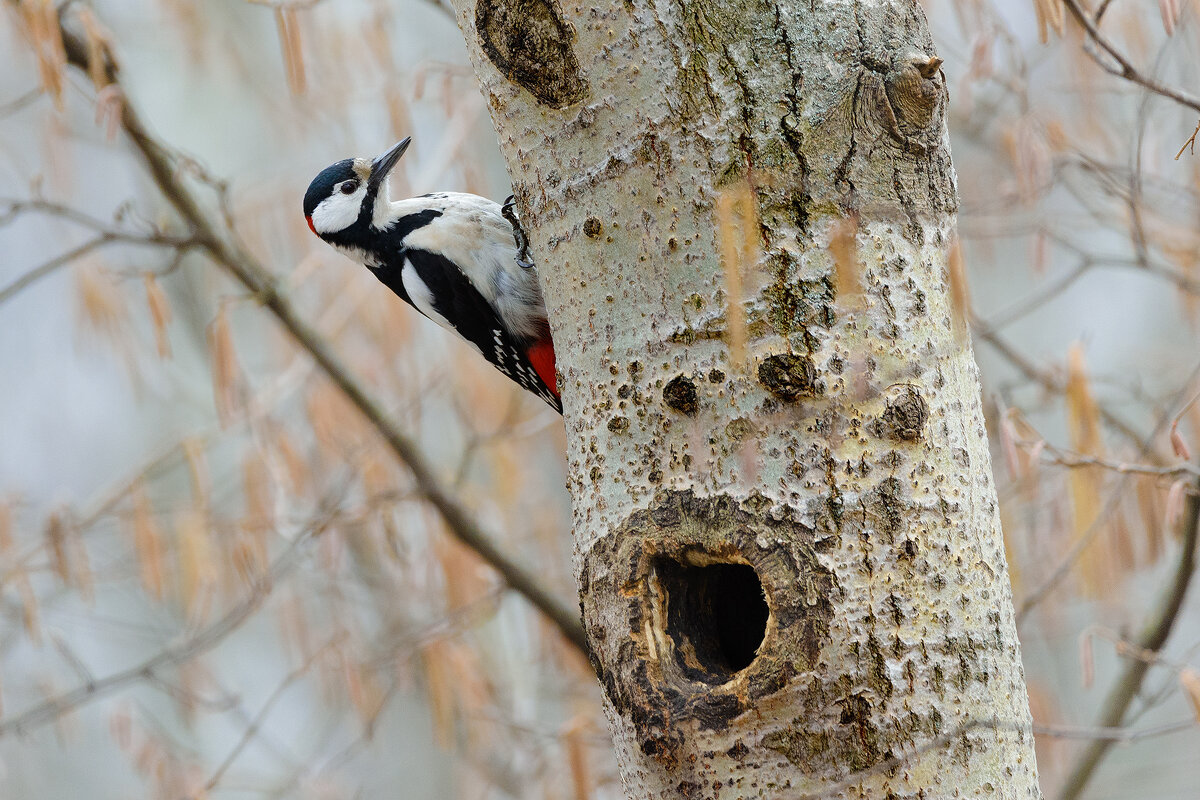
(843, 456)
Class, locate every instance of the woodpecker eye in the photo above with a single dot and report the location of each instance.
(349, 187)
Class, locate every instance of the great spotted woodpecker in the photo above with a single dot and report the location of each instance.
(459, 259)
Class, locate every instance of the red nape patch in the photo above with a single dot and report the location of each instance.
(541, 356)
(311, 227)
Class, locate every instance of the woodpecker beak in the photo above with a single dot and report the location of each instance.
(381, 166)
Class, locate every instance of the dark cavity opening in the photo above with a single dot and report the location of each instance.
(716, 615)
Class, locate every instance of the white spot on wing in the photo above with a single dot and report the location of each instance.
(422, 299)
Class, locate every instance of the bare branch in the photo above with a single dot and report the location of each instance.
(1123, 68)
(48, 268)
(13, 208)
(1190, 144)
(222, 245)
(195, 645)
(1082, 542)
(25, 100)
(1111, 735)
(1052, 383)
(1071, 460)
(66, 259)
(1128, 649)
(1027, 306)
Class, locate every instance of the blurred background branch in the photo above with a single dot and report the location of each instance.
(166, 441)
(95, 59)
(1158, 626)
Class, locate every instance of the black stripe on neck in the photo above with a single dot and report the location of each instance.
(385, 242)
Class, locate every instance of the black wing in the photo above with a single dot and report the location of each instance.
(458, 301)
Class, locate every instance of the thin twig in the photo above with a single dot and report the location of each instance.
(66, 259)
(1124, 67)
(14, 208)
(1027, 306)
(1100, 11)
(1065, 458)
(188, 698)
(255, 724)
(1160, 622)
(1111, 735)
(58, 262)
(1190, 143)
(1052, 383)
(192, 647)
(1128, 649)
(27, 99)
(1082, 542)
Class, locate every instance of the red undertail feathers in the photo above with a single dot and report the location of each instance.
(541, 356)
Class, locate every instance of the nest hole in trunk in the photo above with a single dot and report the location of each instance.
(716, 616)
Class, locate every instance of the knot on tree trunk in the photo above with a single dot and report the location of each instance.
(530, 44)
(907, 101)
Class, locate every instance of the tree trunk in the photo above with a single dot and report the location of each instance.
(742, 213)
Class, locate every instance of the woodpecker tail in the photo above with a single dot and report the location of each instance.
(541, 356)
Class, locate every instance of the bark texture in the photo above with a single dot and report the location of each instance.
(838, 457)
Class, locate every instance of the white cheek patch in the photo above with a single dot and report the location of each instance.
(338, 211)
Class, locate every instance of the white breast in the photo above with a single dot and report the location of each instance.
(338, 211)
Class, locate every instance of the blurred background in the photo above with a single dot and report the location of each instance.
(216, 580)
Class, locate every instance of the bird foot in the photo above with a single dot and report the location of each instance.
(508, 210)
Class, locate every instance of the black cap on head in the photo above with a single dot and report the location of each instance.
(322, 185)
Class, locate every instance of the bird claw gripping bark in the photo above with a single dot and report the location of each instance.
(510, 214)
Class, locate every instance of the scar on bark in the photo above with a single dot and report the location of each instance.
(907, 101)
(680, 394)
(530, 44)
(905, 416)
(789, 377)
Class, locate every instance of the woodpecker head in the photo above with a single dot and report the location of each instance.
(350, 193)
